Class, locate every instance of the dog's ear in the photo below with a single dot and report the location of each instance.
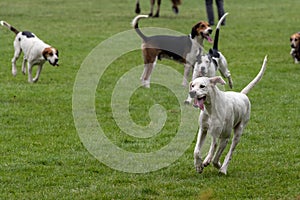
(46, 52)
(217, 79)
(194, 31)
(190, 85)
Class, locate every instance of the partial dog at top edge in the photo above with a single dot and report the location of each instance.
(175, 4)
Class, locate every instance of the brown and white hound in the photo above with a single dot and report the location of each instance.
(183, 49)
(295, 47)
(36, 52)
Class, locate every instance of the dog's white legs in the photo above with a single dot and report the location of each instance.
(235, 140)
(30, 73)
(146, 75)
(145, 78)
(15, 58)
(197, 151)
(200, 141)
(187, 69)
(211, 152)
(37, 76)
(223, 144)
(24, 66)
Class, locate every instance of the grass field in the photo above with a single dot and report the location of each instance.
(43, 157)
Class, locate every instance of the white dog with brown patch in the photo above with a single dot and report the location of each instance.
(221, 112)
(36, 52)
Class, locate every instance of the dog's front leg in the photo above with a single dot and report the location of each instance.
(187, 69)
(197, 151)
(37, 76)
(211, 152)
(30, 72)
(24, 66)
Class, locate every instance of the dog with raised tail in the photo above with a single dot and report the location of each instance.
(36, 52)
(208, 64)
(183, 49)
(221, 112)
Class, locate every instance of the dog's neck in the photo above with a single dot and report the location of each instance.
(199, 39)
(212, 105)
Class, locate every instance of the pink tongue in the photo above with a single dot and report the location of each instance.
(199, 103)
(209, 39)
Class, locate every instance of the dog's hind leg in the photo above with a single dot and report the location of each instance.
(216, 159)
(158, 8)
(235, 140)
(152, 2)
(145, 78)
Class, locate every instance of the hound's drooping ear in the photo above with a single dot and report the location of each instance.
(217, 79)
(194, 31)
(46, 52)
(190, 85)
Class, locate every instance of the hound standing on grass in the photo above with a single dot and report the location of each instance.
(221, 112)
(183, 49)
(36, 52)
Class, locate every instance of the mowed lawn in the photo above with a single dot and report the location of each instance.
(42, 156)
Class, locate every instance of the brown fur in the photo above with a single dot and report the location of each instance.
(295, 45)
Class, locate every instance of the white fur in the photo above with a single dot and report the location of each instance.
(221, 112)
(33, 49)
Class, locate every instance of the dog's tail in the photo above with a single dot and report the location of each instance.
(10, 27)
(214, 52)
(135, 25)
(257, 78)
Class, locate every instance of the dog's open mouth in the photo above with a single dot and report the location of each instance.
(199, 102)
(207, 37)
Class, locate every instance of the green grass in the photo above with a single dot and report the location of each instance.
(42, 156)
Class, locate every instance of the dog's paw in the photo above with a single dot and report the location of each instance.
(199, 168)
(217, 165)
(14, 72)
(223, 171)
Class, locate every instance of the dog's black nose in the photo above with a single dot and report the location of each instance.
(292, 46)
(210, 31)
(192, 93)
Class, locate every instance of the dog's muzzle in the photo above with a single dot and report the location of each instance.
(55, 63)
(192, 94)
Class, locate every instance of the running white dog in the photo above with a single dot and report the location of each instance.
(221, 112)
(36, 52)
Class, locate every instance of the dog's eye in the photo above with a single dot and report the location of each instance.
(202, 86)
(51, 54)
(291, 39)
